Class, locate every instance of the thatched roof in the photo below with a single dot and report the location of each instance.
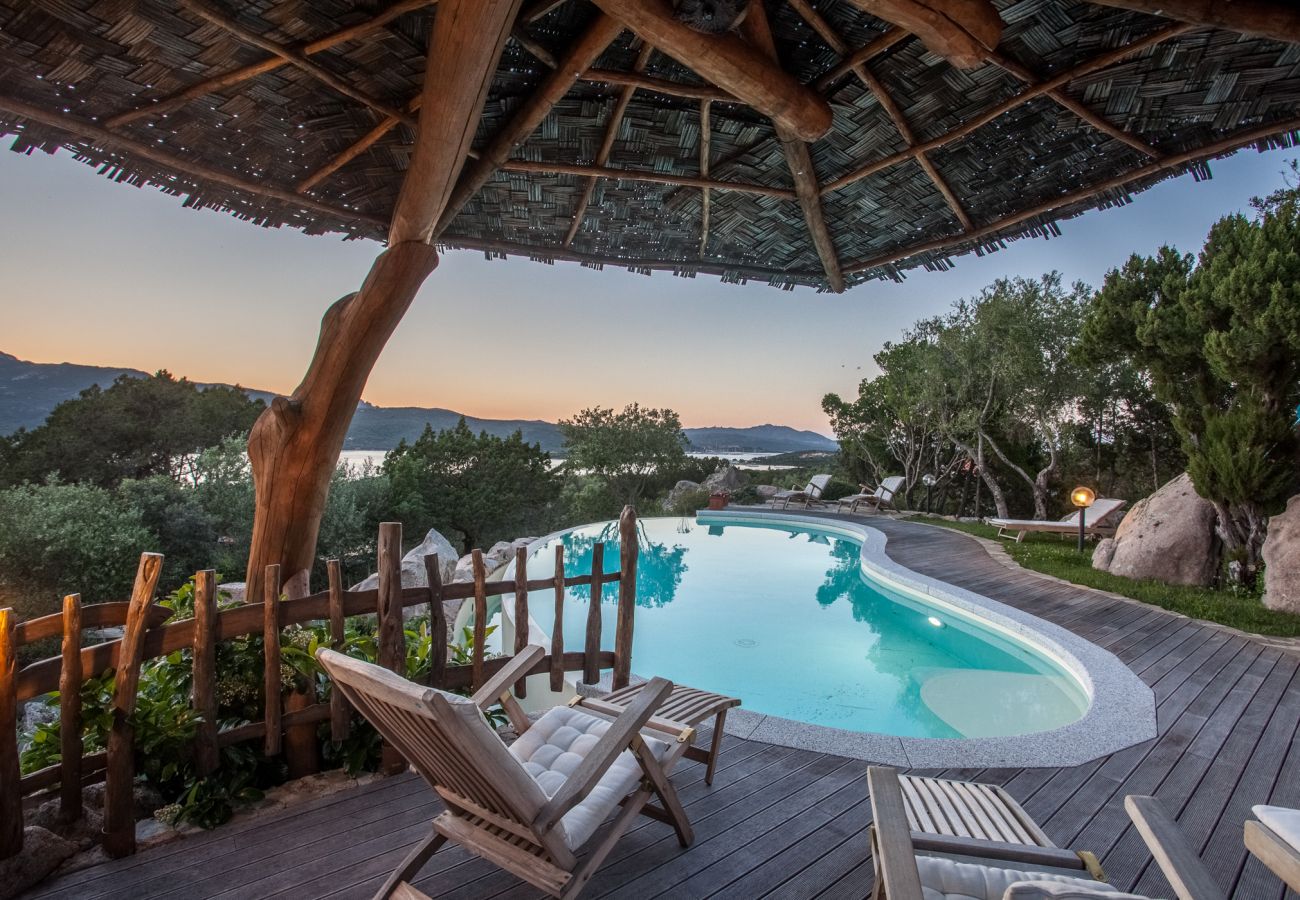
(101, 78)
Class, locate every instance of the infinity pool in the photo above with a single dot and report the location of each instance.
(785, 618)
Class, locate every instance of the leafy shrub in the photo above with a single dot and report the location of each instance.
(689, 501)
(70, 538)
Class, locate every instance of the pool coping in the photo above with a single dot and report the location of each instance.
(1121, 711)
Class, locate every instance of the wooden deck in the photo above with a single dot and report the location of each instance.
(792, 824)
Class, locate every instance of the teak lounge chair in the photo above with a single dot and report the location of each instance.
(1101, 520)
(881, 498)
(906, 868)
(808, 496)
(1273, 837)
(533, 807)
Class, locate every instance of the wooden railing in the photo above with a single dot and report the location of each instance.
(149, 633)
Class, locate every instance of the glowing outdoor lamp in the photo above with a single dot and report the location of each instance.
(929, 481)
(1082, 497)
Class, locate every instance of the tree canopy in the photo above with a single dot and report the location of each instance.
(626, 449)
(481, 487)
(135, 428)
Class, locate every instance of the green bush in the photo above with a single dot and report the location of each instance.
(65, 538)
(689, 501)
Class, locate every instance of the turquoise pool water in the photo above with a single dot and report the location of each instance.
(784, 618)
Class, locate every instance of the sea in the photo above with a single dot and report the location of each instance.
(358, 460)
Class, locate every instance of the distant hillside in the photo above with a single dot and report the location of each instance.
(29, 391)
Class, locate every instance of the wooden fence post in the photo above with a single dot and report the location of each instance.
(627, 554)
(480, 619)
(557, 630)
(521, 611)
(437, 622)
(340, 715)
(70, 743)
(203, 694)
(392, 637)
(301, 751)
(11, 795)
(591, 651)
(271, 682)
(119, 788)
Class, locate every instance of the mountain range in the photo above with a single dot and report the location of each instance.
(29, 391)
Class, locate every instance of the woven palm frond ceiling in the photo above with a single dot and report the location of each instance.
(302, 113)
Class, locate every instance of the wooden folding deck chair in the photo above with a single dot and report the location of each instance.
(532, 807)
(911, 865)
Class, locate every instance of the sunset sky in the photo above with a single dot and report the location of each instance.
(101, 273)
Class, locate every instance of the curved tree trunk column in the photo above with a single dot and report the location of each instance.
(295, 445)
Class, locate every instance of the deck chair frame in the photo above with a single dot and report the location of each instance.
(494, 809)
(1103, 526)
(1273, 851)
(810, 494)
(880, 498)
(894, 850)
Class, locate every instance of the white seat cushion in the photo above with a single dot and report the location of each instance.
(554, 746)
(1055, 890)
(1283, 822)
(946, 879)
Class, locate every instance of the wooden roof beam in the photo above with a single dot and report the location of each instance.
(1278, 20)
(706, 151)
(862, 55)
(602, 32)
(1066, 101)
(1095, 64)
(464, 50)
(659, 85)
(529, 167)
(873, 84)
(607, 143)
(102, 137)
(1226, 145)
(295, 58)
(961, 31)
(799, 161)
(270, 64)
(730, 63)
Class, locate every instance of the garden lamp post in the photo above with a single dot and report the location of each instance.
(928, 480)
(1082, 497)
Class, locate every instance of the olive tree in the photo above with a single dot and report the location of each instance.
(626, 449)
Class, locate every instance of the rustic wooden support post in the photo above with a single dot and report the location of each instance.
(392, 636)
(340, 714)
(521, 611)
(301, 749)
(11, 795)
(437, 622)
(591, 649)
(480, 619)
(272, 686)
(627, 556)
(119, 788)
(70, 744)
(557, 629)
(203, 692)
(295, 444)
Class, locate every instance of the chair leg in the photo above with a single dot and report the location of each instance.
(413, 863)
(715, 746)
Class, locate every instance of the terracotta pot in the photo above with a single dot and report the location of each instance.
(718, 500)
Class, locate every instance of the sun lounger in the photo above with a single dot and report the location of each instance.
(531, 808)
(808, 496)
(974, 864)
(1273, 837)
(881, 498)
(1102, 518)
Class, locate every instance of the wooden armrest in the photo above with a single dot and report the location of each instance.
(679, 730)
(622, 731)
(892, 836)
(1179, 862)
(1274, 852)
(497, 688)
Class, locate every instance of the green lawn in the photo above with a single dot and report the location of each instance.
(1051, 555)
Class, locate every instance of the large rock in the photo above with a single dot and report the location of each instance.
(767, 491)
(728, 479)
(413, 574)
(43, 852)
(680, 489)
(1282, 559)
(1168, 536)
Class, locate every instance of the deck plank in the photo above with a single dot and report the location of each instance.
(793, 824)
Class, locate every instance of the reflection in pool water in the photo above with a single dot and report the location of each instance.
(784, 618)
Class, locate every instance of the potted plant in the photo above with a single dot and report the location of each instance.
(719, 499)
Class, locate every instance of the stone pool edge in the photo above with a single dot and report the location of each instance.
(1121, 711)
